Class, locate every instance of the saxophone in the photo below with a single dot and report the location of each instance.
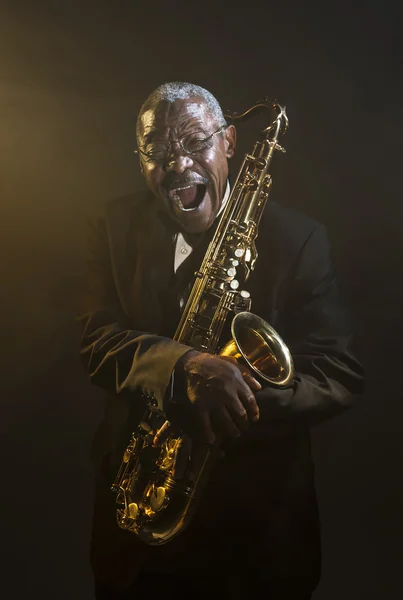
(153, 501)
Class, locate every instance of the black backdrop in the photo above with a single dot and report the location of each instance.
(73, 76)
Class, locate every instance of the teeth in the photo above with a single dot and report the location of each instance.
(185, 187)
(177, 199)
(179, 204)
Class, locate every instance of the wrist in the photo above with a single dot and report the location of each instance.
(180, 366)
(179, 374)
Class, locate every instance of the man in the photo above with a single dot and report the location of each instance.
(256, 529)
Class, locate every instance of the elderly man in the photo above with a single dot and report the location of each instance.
(257, 528)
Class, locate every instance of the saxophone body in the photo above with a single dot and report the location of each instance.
(158, 488)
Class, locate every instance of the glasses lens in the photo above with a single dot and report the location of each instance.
(154, 152)
(194, 143)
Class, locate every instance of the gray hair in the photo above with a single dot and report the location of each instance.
(180, 90)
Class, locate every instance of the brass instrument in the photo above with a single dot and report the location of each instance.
(154, 503)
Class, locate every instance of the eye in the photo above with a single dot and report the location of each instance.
(195, 142)
(155, 152)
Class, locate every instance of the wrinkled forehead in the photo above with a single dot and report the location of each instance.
(177, 116)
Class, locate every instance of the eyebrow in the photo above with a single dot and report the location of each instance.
(147, 137)
(193, 124)
(153, 133)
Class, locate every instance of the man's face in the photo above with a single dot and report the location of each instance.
(191, 186)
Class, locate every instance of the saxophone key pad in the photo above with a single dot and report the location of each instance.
(157, 498)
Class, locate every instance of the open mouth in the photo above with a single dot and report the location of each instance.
(188, 197)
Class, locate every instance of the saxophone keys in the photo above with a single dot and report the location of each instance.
(157, 498)
(280, 148)
(132, 510)
(234, 285)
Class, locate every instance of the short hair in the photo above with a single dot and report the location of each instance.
(180, 90)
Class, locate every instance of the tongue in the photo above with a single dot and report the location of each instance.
(188, 196)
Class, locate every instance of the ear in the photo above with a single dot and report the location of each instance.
(230, 141)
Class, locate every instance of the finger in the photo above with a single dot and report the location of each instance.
(252, 382)
(248, 401)
(224, 425)
(237, 411)
(203, 431)
(163, 433)
(248, 378)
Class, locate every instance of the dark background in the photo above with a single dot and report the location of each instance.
(72, 78)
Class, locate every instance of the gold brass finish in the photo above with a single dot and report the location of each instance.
(157, 498)
(257, 344)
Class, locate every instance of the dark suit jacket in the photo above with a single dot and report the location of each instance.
(259, 508)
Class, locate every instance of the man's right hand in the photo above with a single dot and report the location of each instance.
(219, 400)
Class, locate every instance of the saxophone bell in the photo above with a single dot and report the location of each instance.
(255, 343)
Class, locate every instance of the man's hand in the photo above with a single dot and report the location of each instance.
(220, 400)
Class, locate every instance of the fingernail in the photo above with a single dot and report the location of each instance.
(257, 383)
(255, 418)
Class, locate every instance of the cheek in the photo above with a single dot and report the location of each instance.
(213, 165)
(152, 176)
(218, 170)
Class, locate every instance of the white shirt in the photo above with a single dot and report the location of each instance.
(182, 248)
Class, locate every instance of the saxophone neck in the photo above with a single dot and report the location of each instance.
(278, 124)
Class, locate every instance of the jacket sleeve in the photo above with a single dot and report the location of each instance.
(117, 357)
(318, 333)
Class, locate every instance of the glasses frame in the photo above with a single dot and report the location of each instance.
(141, 152)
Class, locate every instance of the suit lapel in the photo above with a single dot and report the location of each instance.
(153, 272)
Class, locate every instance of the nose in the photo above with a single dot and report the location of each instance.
(177, 160)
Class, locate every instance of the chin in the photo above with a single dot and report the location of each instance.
(197, 226)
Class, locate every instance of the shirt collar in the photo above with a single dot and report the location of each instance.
(225, 199)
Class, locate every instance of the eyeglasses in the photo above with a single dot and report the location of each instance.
(191, 144)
